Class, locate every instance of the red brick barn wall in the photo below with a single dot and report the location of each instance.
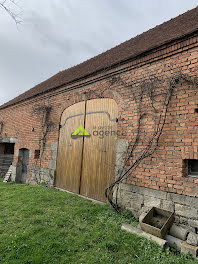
(165, 171)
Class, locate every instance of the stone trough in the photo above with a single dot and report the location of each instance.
(157, 222)
(157, 225)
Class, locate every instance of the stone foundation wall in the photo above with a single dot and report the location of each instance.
(140, 199)
(38, 175)
(35, 175)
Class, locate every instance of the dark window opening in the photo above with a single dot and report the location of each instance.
(37, 154)
(193, 167)
(9, 148)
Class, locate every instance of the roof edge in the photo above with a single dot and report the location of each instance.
(122, 62)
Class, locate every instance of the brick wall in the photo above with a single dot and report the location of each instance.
(165, 170)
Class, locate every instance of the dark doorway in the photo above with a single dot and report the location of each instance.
(6, 157)
(23, 161)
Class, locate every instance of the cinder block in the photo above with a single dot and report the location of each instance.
(186, 248)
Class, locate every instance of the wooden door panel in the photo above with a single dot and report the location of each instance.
(99, 151)
(69, 159)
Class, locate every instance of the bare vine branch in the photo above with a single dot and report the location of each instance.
(159, 118)
(7, 6)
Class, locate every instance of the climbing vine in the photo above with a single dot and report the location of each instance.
(1, 127)
(152, 99)
(44, 114)
(144, 144)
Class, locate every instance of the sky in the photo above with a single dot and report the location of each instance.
(57, 34)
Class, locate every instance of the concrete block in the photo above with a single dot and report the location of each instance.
(161, 242)
(54, 145)
(174, 242)
(183, 199)
(151, 201)
(150, 192)
(186, 248)
(122, 145)
(192, 239)
(186, 211)
(144, 191)
(53, 164)
(167, 205)
(54, 155)
(8, 140)
(126, 187)
(136, 201)
(179, 232)
(193, 223)
(136, 205)
(126, 203)
(13, 140)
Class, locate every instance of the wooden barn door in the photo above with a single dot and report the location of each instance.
(100, 149)
(86, 164)
(69, 161)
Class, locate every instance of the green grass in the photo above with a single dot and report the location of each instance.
(41, 225)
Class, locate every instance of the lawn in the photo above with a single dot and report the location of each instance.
(41, 225)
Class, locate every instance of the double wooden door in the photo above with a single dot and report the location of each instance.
(87, 148)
